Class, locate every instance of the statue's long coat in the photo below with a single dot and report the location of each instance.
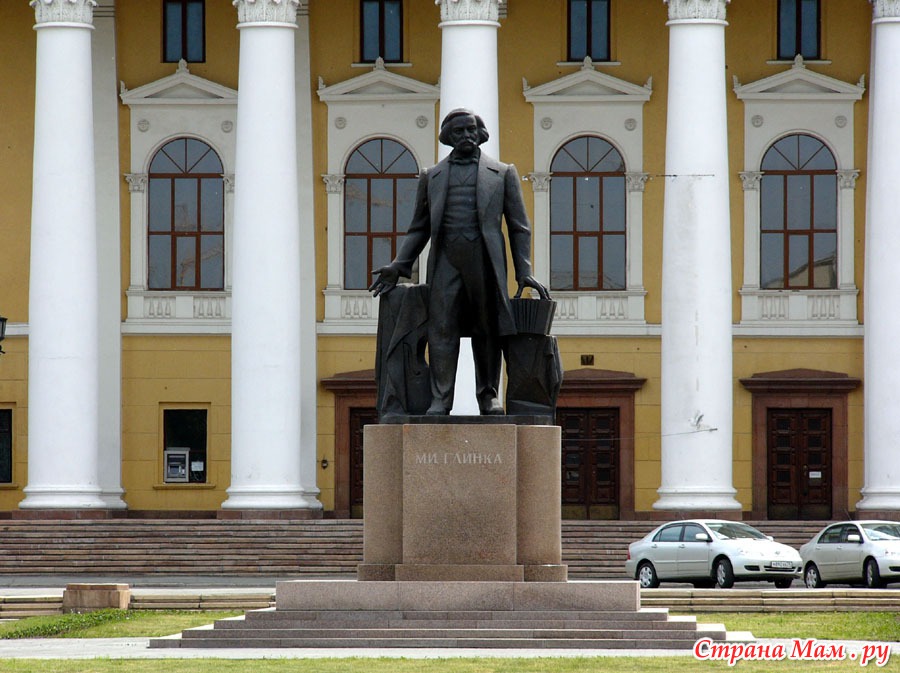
(498, 195)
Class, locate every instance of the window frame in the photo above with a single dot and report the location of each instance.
(602, 233)
(199, 234)
(800, 31)
(194, 453)
(6, 411)
(185, 50)
(590, 27)
(382, 31)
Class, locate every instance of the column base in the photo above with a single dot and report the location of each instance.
(62, 498)
(705, 501)
(264, 499)
(879, 499)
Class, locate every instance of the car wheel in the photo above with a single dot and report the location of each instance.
(724, 573)
(646, 575)
(872, 576)
(811, 577)
(783, 583)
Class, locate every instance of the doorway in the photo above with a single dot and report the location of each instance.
(590, 462)
(799, 463)
(359, 418)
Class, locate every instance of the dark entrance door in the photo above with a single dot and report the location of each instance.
(799, 463)
(359, 417)
(590, 462)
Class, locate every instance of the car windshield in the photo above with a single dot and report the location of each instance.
(735, 531)
(882, 531)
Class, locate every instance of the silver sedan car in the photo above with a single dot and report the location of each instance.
(710, 552)
(853, 552)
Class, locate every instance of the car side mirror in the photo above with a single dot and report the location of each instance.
(701, 537)
(770, 538)
(853, 537)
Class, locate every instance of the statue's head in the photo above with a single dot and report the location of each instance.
(461, 117)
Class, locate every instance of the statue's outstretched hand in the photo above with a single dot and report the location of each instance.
(532, 282)
(386, 281)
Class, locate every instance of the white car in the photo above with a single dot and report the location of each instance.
(709, 552)
(853, 552)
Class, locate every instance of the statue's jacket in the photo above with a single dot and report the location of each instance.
(498, 196)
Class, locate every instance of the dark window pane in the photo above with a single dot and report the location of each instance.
(160, 262)
(613, 262)
(600, 30)
(371, 28)
(577, 29)
(381, 252)
(392, 31)
(195, 31)
(160, 199)
(613, 204)
(201, 158)
(798, 261)
(174, 49)
(561, 207)
(186, 261)
(787, 28)
(798, 202)
(382, 212)
(212, 215)
(587, 208)
(5, 446)
(813, 155)
(187, 429)
(177, 152)
(406, 202)
(356, 196)
(809, 28)
(825, 269)
(185, 212)
(355, 263)
(604, 158)
(825, 205)
(212, 264)
(588, 260)
(572, 158)
(162, 163)
(561, 262)
(772, 261)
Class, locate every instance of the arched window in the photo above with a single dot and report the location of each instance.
(186, 221)
(587, 216)
(379, 197)
(798, 215)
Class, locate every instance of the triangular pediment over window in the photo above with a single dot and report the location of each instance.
(799, 83)
(378, 84)
(180, 87)
(588, 85)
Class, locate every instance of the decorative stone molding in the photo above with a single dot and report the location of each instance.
(228, 179)
(334, 183)
(540, 182)
(63, 11)
(687, 10)
(886, 9)
(630, 124)
(137, 182)
(847, 178)
(267, 11)
(470, 10)
(635, 182)
(757, 121)
(750, 180)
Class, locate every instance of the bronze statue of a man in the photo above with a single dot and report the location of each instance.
(459, 206)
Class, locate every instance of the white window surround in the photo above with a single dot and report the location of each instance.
(181, 105)
(795, 101)
(378, 104)
(585, 103)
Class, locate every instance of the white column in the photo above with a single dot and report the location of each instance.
(309, 403)
(109, 182)
(63, 312)
(265, 338)
(469, 79)
(882, 368)
(696, 295)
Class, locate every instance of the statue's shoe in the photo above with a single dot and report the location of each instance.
(492, 408)
(437, 409)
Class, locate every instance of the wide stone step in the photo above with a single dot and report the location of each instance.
(277, 616)
(482, 643)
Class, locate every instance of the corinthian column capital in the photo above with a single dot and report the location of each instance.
(687, 10)
(64, 11)
(470, 10)
(267, 11)
(886, 9)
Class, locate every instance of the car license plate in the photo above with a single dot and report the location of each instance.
(782, 564)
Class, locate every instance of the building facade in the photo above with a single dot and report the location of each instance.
(196, 192)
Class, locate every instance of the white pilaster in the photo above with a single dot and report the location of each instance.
(696, 294)
(266, 301)
(305, 181)
(882, 369)
(469, 79)
(63, 363)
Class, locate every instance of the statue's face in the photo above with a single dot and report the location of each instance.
(463, 134)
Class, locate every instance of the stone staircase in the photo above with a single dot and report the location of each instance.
(559, 629)
(273, 548)
(17, 607)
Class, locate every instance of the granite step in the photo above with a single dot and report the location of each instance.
(481, 643)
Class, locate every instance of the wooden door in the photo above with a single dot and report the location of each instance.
(590, 462)
(799, 463)
(359, 418)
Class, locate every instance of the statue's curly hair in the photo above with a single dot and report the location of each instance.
(444, 135)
